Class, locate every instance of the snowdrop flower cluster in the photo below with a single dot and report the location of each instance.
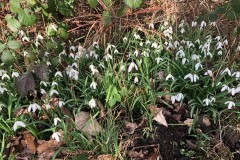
(177, 98)
(72, 73)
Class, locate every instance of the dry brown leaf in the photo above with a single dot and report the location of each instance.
(130, 127)
(105, 157)
(204, 120)
(135, 154)
(153, 109)
(154, 156)
(160, 118)
(28, 142)
(86, 124)
(188, 122)
(45, 146)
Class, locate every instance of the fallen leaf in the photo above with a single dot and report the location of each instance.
(154, 156)
(130, 127)
(105, 157)
(86, 124)
(160, 118)
(29, 142)
(135, 154)
(154, 109)
(204, 120)
(188, 122)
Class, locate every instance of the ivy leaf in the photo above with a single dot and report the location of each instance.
(13, 44)
(106, 17)
(13, 24)
(235, 5)
(24, 84)
(26, 18)
(14, 6)
(92, 3)
(2, 47)
(133, 3)
(64, 9)
(42, 72)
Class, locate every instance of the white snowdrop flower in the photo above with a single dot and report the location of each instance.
(44, 83)
(151, 26)
(180, 54)
(198, 65)
(158, 59)
(179, 97)
(5, 76)
(107, 57)
(26, 54)
(71, 55)
(182, 30)
(95, 56)
(202, 25)
(46, 54)
(2, 72)
(209, 54)
(131, 66)
(169, 76)
(93, 69)
(165, 23)
(237, 75)
(136, 79)
(208, 72)
(56, 120)
(141, 44)
(226, 70)
(154, 45)
(168, 32)
(136, 36)
(95, 44)
(93, 85)
(136, 53)
(92, 103)
(148, 42)
(75, 65)
(190, 44)
(219, 45)
(217, 38)
(225, 42)
(194, 23)
(184, 60)
(2, 89)
(72, 73)
(47, 106)
(56, 136)
(49, 63)
(18, 124)
(25, 38)
(33, 107)
(63, 53)
(219, 53)
(15, 74)
(213, 24)
(197, 41)
(170, 46)
(53, 26)
(230, 104)
(61, 103)
(43, 91)
(224, 88)
(207, 101)
(176, 44)
(58, 74)
(73, 48)
(232, 91)
(181, 25)
(39, 37)
(54, 84)
(145, 53)
(101, 65)
(53, 91)
(192, 77)
(212, 99)
(21, 33)
(92, 53)
(125, 39)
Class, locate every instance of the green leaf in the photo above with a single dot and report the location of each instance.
(235, 5)
(231, 15)
(93, 3)
(212, 16)
(25, 83)
(108, 3)
(64, 9)
(121, 11)
(2, 47)
(13, 44)
(31, 2)
(238, 30)
(13, 24)
(133, 3)
(106, 17)
(62, 32)
(7, 57)
(14, 6)
(26, 17)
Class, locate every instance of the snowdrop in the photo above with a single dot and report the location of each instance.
(182, 30)
(168, 32)
(195, 57)
(61, 103)
(225, 42)
(56, 136)
(56, 120)
(208, 72)
(131, 66)
(25, 38)
(58, 74)
(219, 53)
(136, 79)
(151, 26)
(176, 44)
(53, 91)
(44, 83)
(155, 45)
(184, 60)
(107, 57)
(136, 36)
(207, 101)
(92, 103)
(202, 25)
(237, 75)
(33, 107)
(192, 77)
(224, 88)
(42, 91)
(93, 69)
(219, 45)
(145, 53)
(226, 70)
(125, 39)
(230, 104)
(169, 76)
(2, 72)
(18, 124)
(194, 23)
(2, 89)
(73, 48)
(136, 53)
(47, 106)
(72, 73)
(197, 41)
(217, 38)
(54, 84)
(198, 65)
(158, 60)
(93, 85)
(177, 97)
(180, 54)
(5, 76)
